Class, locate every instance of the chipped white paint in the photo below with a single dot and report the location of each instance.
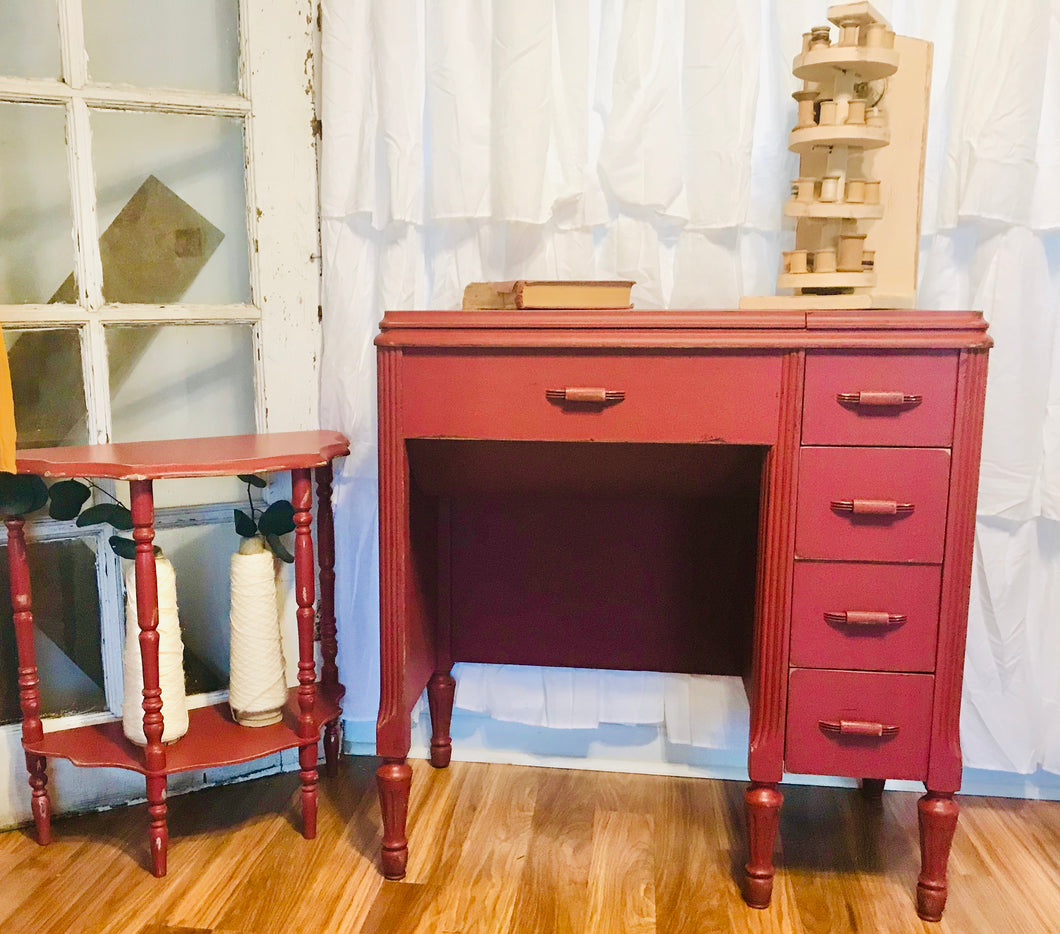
(276, 101)
(120, 97)
(277, 76)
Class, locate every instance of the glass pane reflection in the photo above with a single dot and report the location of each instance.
(29, 39)
(36, 243)
(193, 44)
(182, 381)
(66, 631)
(172, 207)
(48, 386)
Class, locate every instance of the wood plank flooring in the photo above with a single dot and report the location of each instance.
(499, 849)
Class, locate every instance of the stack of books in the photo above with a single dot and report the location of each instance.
(544, 293)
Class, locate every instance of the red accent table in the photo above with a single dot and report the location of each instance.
(788, 496)
(213, 737)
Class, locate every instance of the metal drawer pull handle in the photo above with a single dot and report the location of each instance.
(866, 618)
(857, 728)
(585, 394)
(873, 507)
(879, 399)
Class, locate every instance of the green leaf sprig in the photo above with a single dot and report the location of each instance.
(22, 494)
(276, 520)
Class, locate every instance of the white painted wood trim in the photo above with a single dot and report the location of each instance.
(87, 262)
(121, 97)
(278, 68)
(72, 43)
(111, 620)
(29, 316)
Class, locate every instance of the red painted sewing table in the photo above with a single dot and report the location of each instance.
(786, 496)
(213, 738)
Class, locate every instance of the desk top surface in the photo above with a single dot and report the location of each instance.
(614, 328)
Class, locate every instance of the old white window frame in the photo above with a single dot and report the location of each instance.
(278, 45)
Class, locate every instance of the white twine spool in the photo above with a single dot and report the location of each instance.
(257, 686)
(170, 660)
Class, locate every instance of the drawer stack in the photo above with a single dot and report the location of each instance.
(874, 473)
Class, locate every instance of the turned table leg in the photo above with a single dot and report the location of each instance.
(157, 832)
(937, 815)
(28, 678)
(329, 671)
(440, 692)
(762, 802)
(308, 729)
(41, 806)
(872, 788)
(394, 778)
(143, 533)
(331, 748)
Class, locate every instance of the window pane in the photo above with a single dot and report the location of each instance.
(48, 385)
(29, 39)
(36, 245)
(182, 381)
(173, 207)
(66, 631)
(200, 557)
(158, 43)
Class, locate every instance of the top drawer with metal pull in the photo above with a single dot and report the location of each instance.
(882, 398)
(721, 398)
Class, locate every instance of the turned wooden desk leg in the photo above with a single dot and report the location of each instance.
(762, 802)
(440, 692)
(28, 678)
(394, 778)
(308, 729)
(937, 816)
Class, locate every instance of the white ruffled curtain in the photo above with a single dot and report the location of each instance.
(646, 139)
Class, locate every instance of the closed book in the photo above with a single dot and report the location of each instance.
(543, 294)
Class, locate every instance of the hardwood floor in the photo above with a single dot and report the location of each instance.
(500, 849)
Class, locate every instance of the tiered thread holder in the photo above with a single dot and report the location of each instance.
(859, 134)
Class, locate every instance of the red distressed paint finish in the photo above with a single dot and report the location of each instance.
(213, 737)
(535, 464)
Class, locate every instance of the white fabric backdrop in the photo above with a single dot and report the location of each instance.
(646, 139)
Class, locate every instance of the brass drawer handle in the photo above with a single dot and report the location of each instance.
(874, 399)
(873, 507)
(866, 618)
(857, 728)
(590, 395)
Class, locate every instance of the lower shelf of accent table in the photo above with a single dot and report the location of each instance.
(213, 738)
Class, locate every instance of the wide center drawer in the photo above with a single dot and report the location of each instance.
(708, 397)
(872, 504)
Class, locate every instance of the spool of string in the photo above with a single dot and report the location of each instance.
(170, 660)
(257, 686)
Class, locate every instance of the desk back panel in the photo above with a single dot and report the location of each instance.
(667, 583)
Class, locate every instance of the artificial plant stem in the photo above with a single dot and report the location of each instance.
(96, 486)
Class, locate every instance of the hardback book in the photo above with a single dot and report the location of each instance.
(544, 293)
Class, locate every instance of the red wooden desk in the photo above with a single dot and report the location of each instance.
(788, 496)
